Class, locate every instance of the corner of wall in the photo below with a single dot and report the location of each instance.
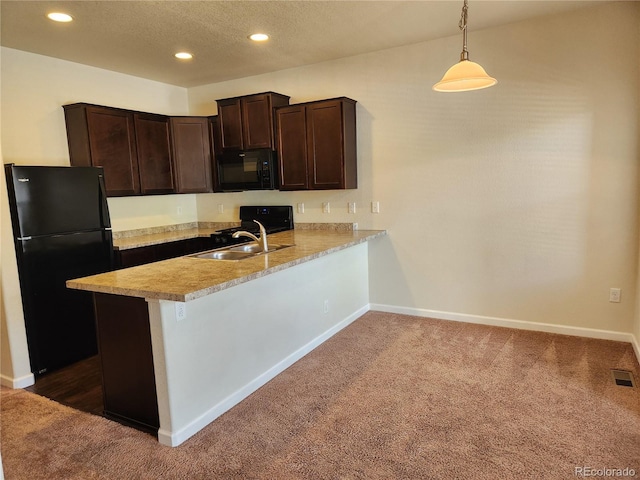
(15, 370)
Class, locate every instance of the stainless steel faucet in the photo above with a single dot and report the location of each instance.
(262, 241)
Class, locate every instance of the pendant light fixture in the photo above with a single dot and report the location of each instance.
(464, 75)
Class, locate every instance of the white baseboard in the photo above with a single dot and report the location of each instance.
(510, 323)
(636, 347)
(174, 439)
(21, 382)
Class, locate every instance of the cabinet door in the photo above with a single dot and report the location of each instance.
(257, 121)
(215, 135)
(135, 256)
(192, 154)
(230, 114)
(198, 244)
(112, 145)
(292, 147)
(168, 250)
(325, 145)
(331, 144)
(154, 153)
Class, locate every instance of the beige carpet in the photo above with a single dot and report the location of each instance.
(389, 397)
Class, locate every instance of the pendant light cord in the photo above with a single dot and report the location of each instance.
(463, 26)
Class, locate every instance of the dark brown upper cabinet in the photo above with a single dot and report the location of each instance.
(292, 147)
(215, 135)
(154, 153)
(141, 153)
(132, 147)
(191, 154)
(316, 144)
(104, 137)
(247, 122)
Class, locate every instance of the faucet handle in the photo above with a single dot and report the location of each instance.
(263, 237)
(262, 229)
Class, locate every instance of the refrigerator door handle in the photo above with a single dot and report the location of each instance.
(23, 239)
(103, 205)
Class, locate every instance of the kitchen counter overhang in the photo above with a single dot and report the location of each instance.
(188, 278)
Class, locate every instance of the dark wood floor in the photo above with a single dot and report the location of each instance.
(78, 386)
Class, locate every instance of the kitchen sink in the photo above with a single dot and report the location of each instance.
(239, 252)
(251, 248)
(226, 255)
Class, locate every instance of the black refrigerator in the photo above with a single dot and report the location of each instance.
(61, 230)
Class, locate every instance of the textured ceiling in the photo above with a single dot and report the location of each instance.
(140, 37)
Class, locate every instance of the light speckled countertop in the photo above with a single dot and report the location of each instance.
(187, 278)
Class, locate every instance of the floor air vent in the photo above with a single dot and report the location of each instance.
(623, 378)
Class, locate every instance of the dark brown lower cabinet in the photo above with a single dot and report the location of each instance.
(154, 253)
(135, 256)
(124, 346)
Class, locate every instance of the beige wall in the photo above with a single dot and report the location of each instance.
(516, 202)
(33, 90)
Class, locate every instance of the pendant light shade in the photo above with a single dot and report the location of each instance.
(464, 75)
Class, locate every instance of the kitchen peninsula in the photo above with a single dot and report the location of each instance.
(184, 340)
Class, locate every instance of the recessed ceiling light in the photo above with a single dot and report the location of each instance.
(184, 55)
(59, 17)
(259, 37)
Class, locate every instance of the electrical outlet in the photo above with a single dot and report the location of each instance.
(352, 207)
(181, 311)
(301, 208)
(355, 226)
(179, 210)
(220, 208)
(326, 207)
(375, 207)
(614, 295)
(326, 306)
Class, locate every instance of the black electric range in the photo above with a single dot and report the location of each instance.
(277, 218)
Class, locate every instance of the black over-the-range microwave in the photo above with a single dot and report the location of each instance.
(240, 170)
